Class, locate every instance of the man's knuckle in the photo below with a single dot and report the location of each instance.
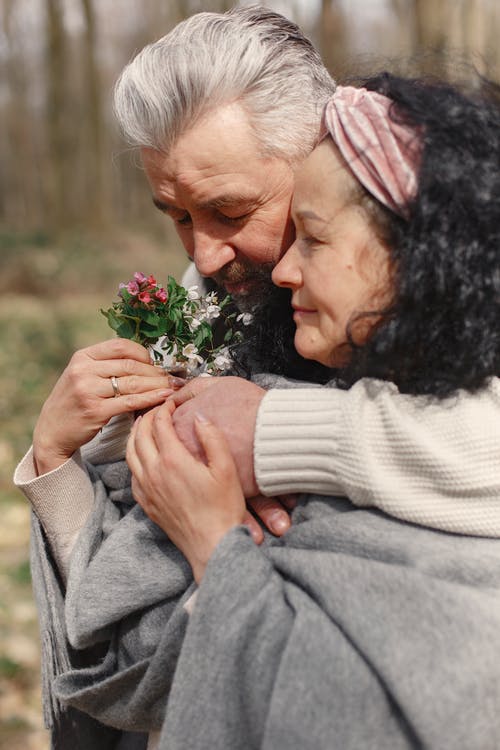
(130, 402)
(118, 347)
(74, 371)
(261, 504)
(80, 389)
(131, 384)
(128, 366)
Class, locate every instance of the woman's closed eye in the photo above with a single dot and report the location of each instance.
(309, 241)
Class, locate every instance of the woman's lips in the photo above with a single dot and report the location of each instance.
(301, 312)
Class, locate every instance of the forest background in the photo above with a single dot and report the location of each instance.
(76, 216)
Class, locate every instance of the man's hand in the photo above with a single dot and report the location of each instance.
(231, 404)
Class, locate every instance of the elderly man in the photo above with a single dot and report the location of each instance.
(223, 108)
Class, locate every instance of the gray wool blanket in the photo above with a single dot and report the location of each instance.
(353, 631)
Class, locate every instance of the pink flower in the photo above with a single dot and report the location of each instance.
(144, 297)
(161, 295)
(132, 288)
(151, 280)
(139, 277)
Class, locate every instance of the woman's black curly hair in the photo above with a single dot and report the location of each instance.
(443, 331)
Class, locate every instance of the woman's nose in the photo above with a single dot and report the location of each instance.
(286, 272)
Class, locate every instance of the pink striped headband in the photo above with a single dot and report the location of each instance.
(384, 155)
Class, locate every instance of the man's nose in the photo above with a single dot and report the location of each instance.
(211, 253)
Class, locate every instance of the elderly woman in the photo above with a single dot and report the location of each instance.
(354, 629)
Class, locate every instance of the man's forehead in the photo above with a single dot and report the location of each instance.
(220, 145)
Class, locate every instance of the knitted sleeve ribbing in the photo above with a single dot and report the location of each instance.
(429, 462)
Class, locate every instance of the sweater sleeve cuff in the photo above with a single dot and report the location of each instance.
(297, 432)
(62, 499)
(110, 443)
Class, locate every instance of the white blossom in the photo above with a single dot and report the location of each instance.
(193, 292)
(245, 318)
(212, 312)
(191, 353)
(223, 361)
(193, 323)
(166, 359)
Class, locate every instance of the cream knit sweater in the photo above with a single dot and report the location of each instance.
(434, 464)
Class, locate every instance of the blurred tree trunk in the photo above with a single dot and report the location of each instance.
(473, 31)
(333, 37)
(10, 188)
(93, 119)
(426, 23)
(58, 131)
(431, 24)
(21, 192)
(447, 33)
(492, 52)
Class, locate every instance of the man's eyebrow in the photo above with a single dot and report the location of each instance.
(221, 201)
(225, 201)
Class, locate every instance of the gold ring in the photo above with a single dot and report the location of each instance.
(114, 384)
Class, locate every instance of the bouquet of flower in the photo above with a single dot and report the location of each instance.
(175, 324)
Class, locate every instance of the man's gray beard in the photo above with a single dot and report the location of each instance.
(247, 303)
(260, 278)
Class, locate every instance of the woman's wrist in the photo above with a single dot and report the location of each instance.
(200, 551)
(46, 459)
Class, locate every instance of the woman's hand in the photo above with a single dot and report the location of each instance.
(194, 503)
(232, 403)
(83, 400)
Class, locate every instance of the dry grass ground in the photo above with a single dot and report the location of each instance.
(50, 296)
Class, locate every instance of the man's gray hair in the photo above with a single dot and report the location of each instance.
(252, 56)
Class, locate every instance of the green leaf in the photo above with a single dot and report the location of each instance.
(113, 319)
(126, 329)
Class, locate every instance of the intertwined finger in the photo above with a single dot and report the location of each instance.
(165, 435)
(124, 367)
(215, 445)
(254, 528)
(288, 501)
(117, 348)
(193, 387)
(141, 448)
(271, 513)
(129, 384)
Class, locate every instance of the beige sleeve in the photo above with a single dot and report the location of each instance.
(62, 499)
(432, 463)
